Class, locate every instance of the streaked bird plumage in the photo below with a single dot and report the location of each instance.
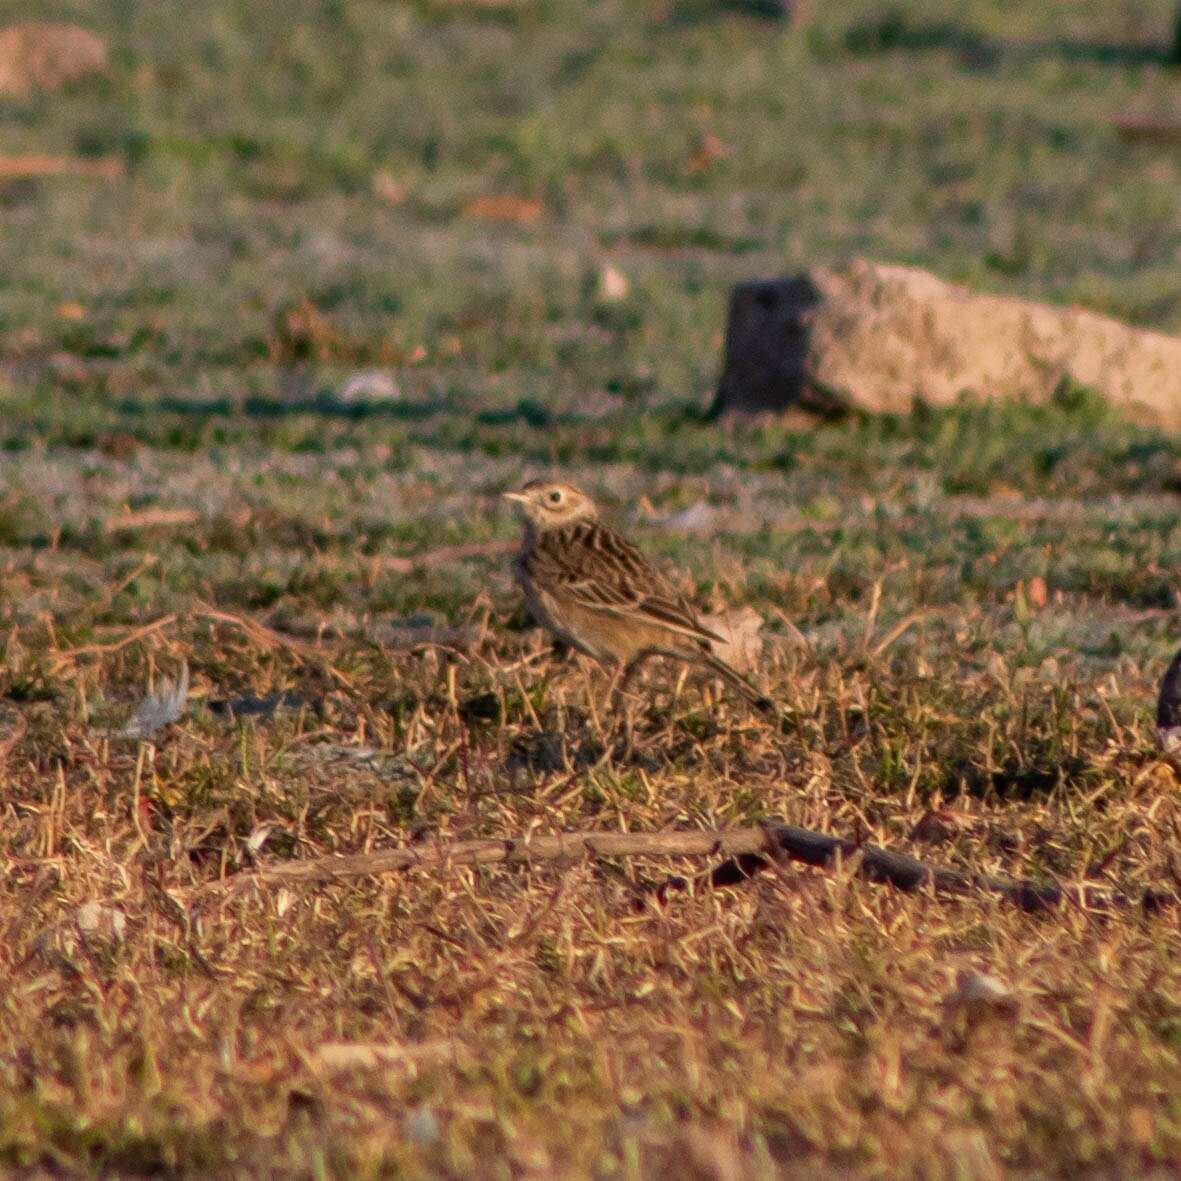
(597, 592)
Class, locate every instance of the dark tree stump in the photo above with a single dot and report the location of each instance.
(767, 348)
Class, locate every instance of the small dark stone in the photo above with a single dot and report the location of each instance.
(736, 870)
(302, 1102)
(1156, 900)
(550, 751)
(484, 707)
(249, 706)
(770, 9)
(1168, 706)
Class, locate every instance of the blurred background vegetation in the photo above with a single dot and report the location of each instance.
(444, 182)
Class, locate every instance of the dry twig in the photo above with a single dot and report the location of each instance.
(24, 167)
(67, 655)
(150, 518)
(746, 849)
(445, 555)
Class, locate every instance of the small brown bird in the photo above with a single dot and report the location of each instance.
(596, 591)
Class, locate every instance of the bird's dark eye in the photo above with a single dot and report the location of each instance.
(555, 497)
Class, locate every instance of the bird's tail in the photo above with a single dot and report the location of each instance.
(737, 681)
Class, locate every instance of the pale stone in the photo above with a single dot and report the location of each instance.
(879, 338)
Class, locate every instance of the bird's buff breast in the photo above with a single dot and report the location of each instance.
(605, 636)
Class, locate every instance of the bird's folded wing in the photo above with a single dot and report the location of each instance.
(661, 610)
(599, 570)
(676, 615)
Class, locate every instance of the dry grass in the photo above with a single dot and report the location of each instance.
(564, 1020)
(967, 612)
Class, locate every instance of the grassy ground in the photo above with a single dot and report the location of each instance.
(305, 198)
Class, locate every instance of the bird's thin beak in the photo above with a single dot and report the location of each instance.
(520, 497)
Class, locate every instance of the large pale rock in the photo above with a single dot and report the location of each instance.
(877, 338)
(46, 55)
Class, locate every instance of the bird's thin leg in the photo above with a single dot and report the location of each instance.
(614, 678)
(622, 697)
(630, 670)
(629, 732)
(621, 707)
(679, 684)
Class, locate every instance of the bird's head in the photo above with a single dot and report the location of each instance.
(550, 504)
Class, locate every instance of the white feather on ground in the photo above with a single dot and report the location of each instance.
(158, 708)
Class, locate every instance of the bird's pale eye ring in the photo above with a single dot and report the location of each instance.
(555, 497)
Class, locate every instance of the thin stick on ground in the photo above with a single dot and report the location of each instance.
(267, 638)
(745, 848)
(39, 165)
(65, 656)
(445, 555)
